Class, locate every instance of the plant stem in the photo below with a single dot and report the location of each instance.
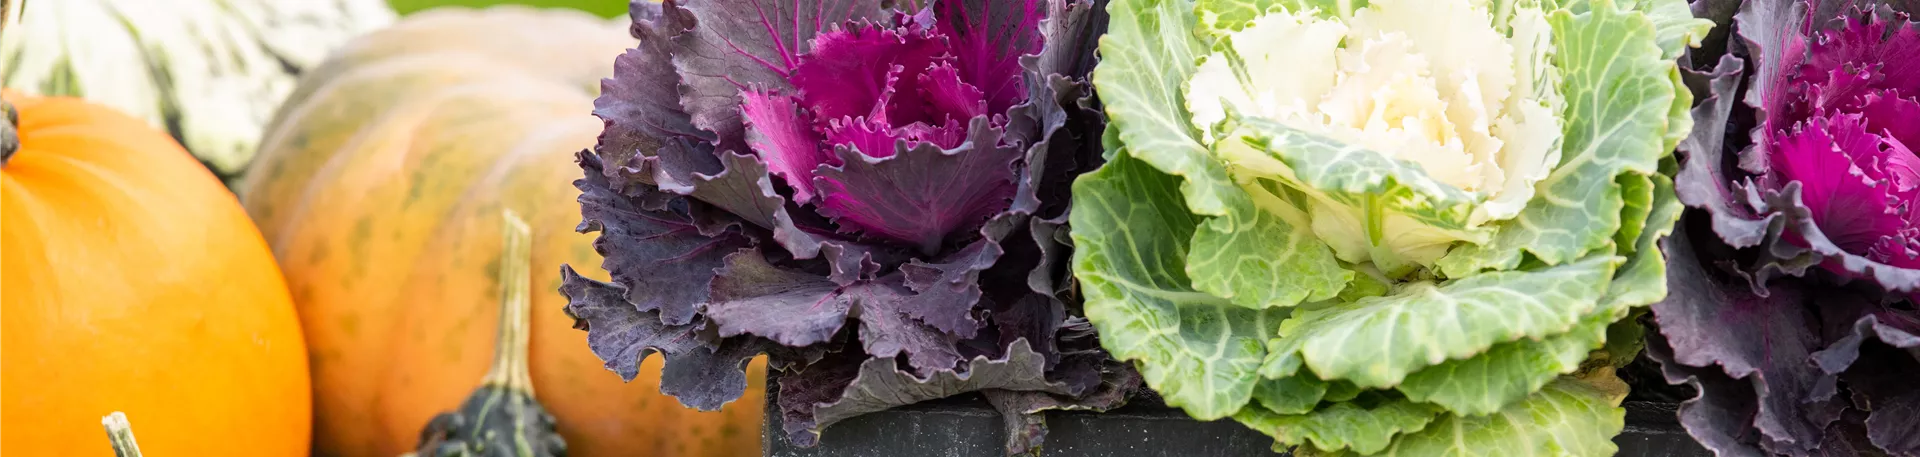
(120, 434)
(9, 133)
(510, 351)
(10, 12)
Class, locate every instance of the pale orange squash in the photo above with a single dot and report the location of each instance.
(379, 186)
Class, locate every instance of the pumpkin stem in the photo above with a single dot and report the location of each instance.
(510, 369)
(9, 133)
(10, 12)
(120, 434)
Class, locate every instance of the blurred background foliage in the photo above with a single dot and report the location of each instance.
(603, 8)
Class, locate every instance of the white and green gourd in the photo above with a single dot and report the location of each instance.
(211, 72)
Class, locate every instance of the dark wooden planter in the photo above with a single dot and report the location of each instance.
(967, 426)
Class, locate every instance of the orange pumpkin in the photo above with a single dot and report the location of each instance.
(134, 282)
(379, 186)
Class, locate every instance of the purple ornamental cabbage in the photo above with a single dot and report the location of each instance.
(872, 194)
(1791, 308)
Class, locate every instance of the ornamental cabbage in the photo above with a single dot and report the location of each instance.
(1400, 226)
(872, 194)
(1793, 279)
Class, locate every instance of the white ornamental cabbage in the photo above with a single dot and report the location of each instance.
(1431, 82)
(1386, 227)
(212, 72)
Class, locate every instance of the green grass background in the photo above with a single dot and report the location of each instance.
(603, 8)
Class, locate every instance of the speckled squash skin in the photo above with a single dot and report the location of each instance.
(134, 282)
(379, 186)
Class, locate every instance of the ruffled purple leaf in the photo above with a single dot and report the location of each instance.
(1769, 31)
(1890, 340)
(1033, 318)
(783, 135)
(1890, 114)
(1061, 120)
(944, 291)
(1841, 184)
(1716, 416)
(734, 43)
(1850, 327)
(887, 331)
(702, 374)
(1790, 359)
(1070, 145)
(746, 190)
(802, 389)
(1855, 175)
(640, 105)
(653, 249)
(849, 263)
(1080, 352)
(1855, 170)
(877, 139)
(856, 72)
(793, 308)
(846, 188)
(1050, 237)
(812, 403)
(1801, 226)
(988, 38)
(640, 11)
(944, 92)
(1715, 44)
(1036, 313)
(1711, 320)
(872, 137)
(922, 194)
(1703, 181)
(1887, 389)
(1067, 28)
(1859, 55)
(650, 140)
